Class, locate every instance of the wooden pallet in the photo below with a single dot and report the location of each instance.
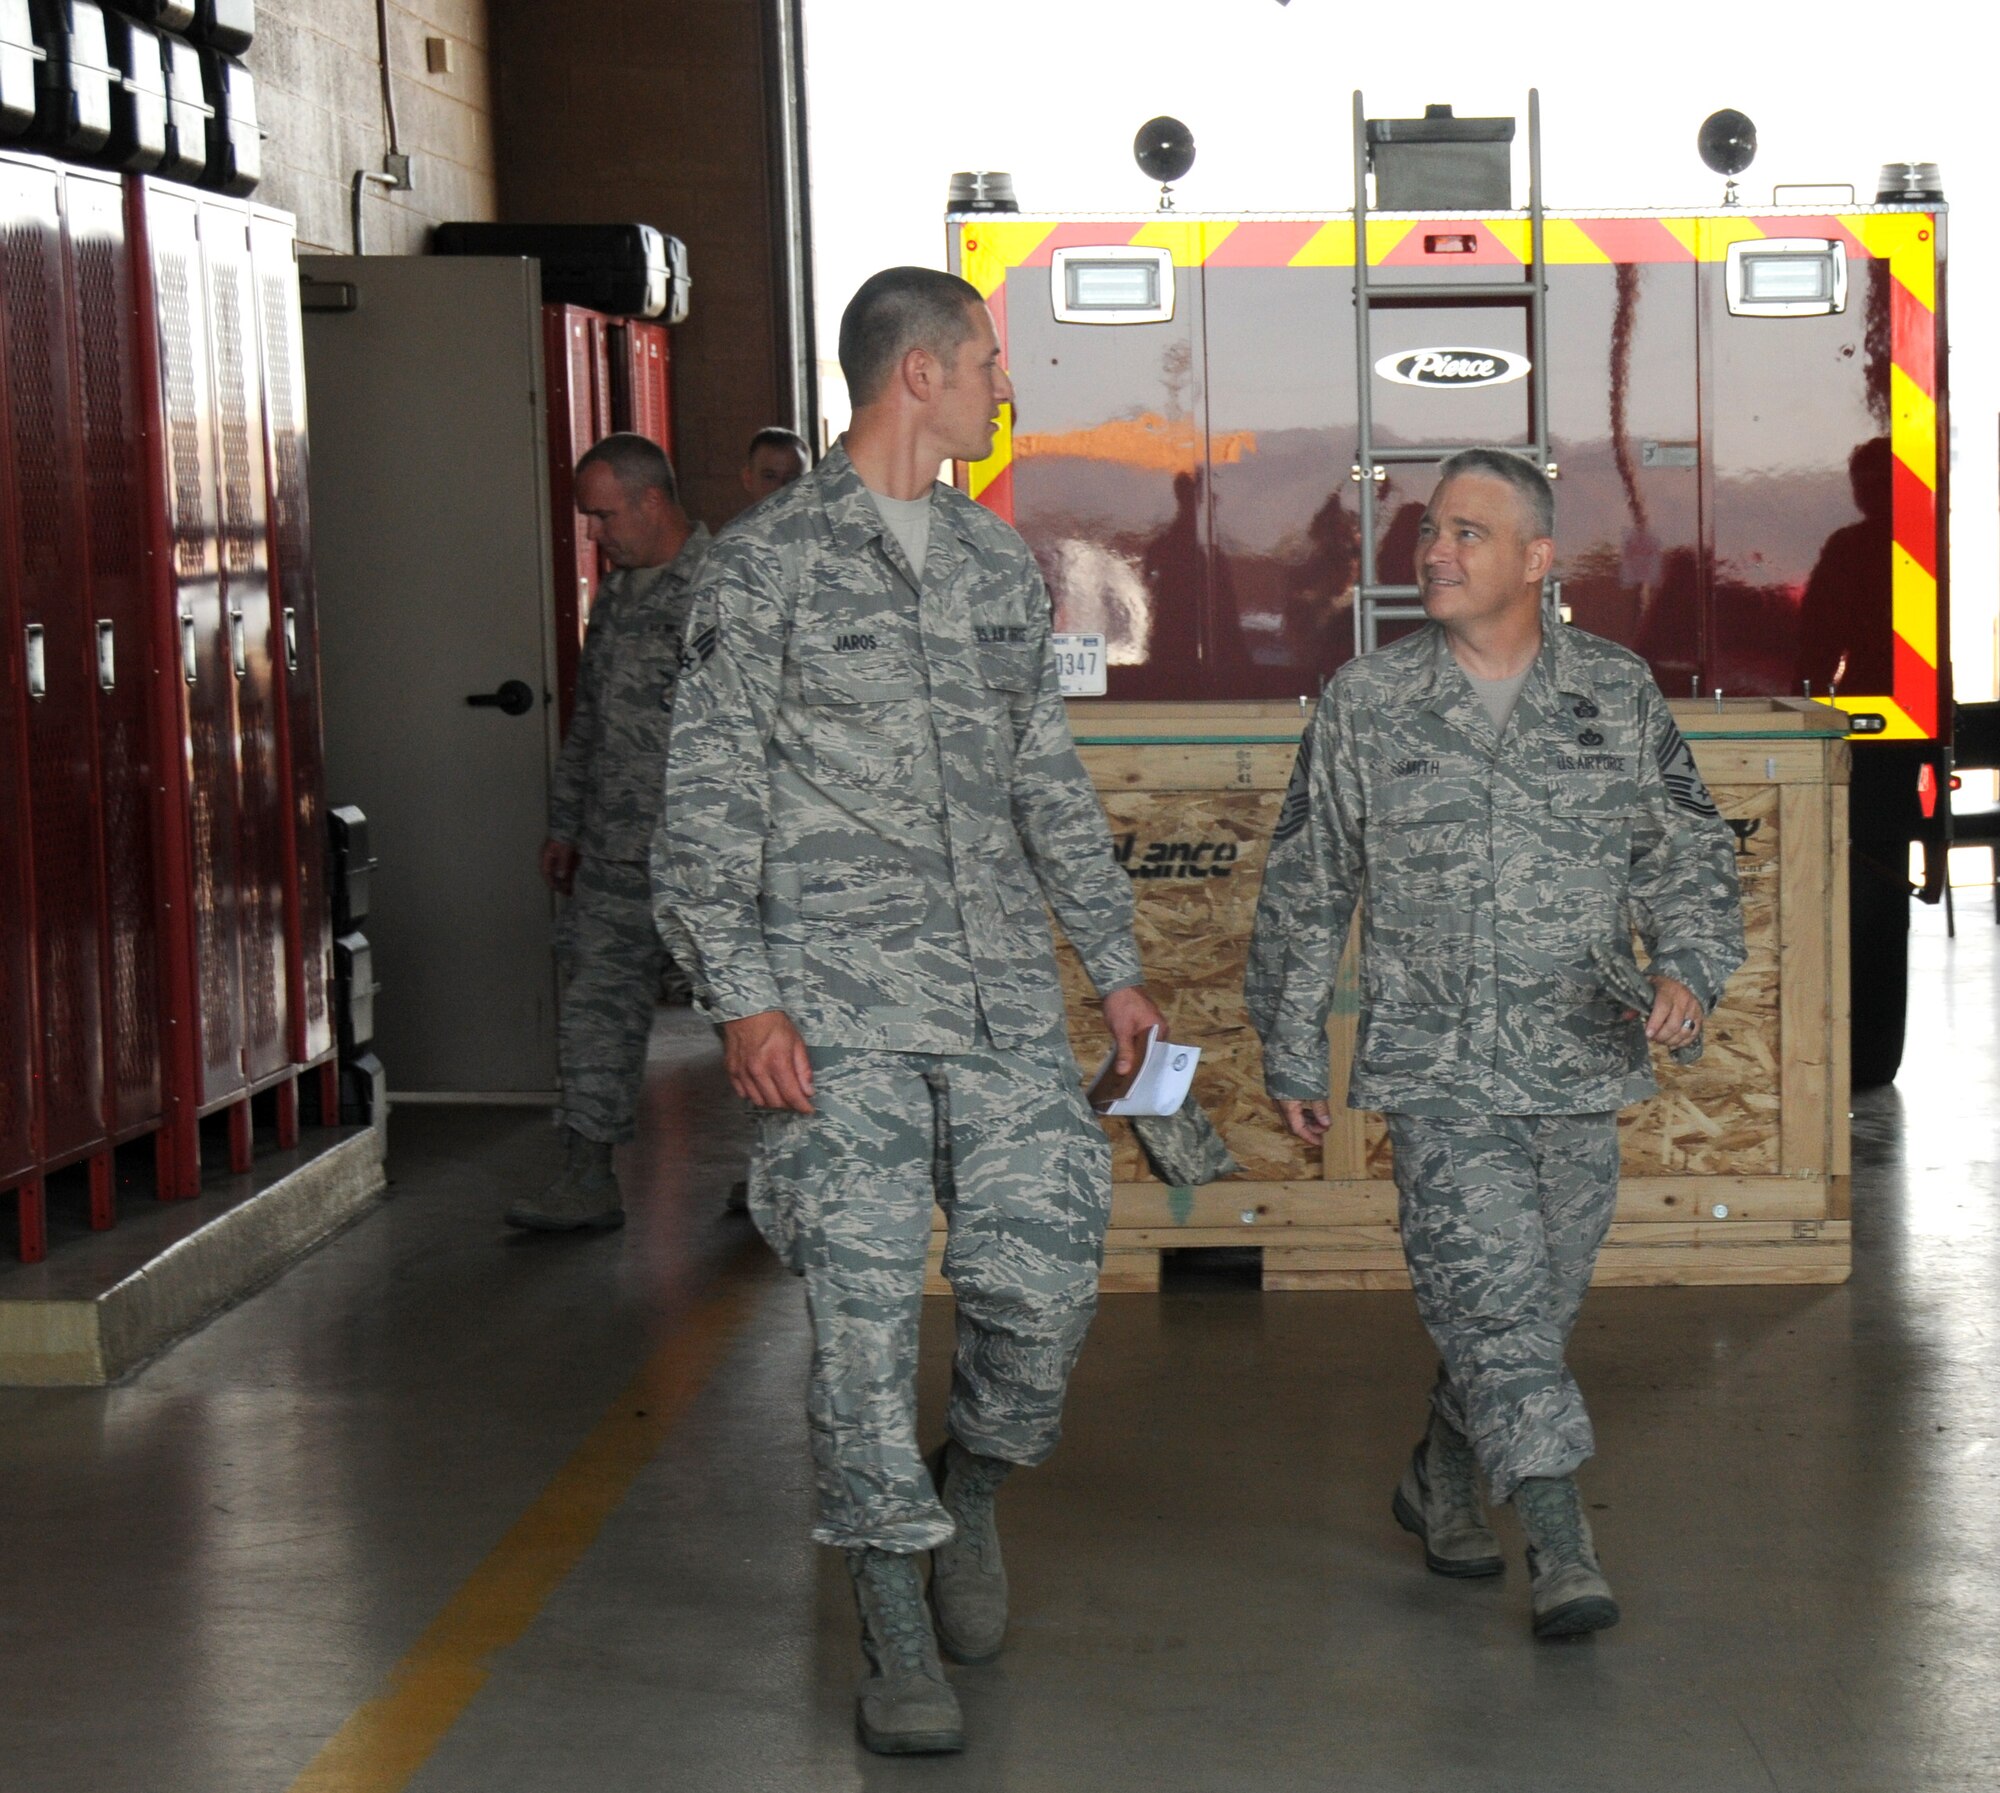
(1642, 1254)
(1322, 1236)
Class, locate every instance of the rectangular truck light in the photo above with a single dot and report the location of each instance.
(1786, 277)
(1117, 284)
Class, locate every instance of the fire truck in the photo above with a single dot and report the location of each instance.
(1226, 428)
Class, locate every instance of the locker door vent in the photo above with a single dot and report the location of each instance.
(177, 351)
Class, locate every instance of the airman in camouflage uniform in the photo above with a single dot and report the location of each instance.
(603, 808)
(871, 792)
(1502, 869)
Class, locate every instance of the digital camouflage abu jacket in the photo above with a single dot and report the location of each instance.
(1486, 871)
(869, 791)
(605, 797)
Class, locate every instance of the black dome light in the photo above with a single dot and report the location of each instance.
(1727, 141)
(1164, 150)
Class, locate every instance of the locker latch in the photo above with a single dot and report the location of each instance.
(107, 654)
(190, 658)
(291, 639)
(239, 642)
(38, 663)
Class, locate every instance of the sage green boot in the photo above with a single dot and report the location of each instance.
(968, 1579)
(584, 1195)
(1568, 1589)
(1439, 1501)
(905, 1707)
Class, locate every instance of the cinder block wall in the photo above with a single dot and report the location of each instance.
(319, 100)
(654, 111)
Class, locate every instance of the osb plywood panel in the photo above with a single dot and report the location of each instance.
(1719, 1116)
(1196, 859)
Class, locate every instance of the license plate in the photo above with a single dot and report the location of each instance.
(1080, 664)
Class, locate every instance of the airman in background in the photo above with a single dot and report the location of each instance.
(775, 457)
(603, 808)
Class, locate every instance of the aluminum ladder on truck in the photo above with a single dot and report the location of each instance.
(1374, 602)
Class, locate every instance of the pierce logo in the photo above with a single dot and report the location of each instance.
(1452, 367)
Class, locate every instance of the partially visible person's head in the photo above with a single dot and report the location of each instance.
(630, 501)
(776, 457)
(1487, 539)
(920, 354)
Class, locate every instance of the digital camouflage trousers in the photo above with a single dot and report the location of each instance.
(1003, 1141)
(612, 960)
(1502, 1217)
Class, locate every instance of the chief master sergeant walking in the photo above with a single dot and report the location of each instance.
(1509, 799)
(603, 807)
(871, 789)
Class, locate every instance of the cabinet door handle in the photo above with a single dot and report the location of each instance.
(107, 655)
(38, 663)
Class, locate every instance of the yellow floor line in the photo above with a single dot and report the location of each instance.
(387, 1740)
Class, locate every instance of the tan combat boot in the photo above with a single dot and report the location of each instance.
(905, 1707)
(968, 1579)
(1568, 1589)
(584, 1195)
(1439, 1501)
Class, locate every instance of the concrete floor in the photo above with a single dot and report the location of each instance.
(458, 1511)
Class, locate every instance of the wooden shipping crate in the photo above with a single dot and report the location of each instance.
(1736, 1172)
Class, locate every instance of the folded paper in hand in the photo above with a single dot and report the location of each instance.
(1158, 1085)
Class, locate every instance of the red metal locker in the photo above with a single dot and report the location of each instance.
(264, 823)
(44, 560)
(309, 918)
(642, 396)
(203, 1002)
(578, 371)
(101, 302)
(17, 912)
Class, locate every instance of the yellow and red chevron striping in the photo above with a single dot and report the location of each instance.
(990, 247)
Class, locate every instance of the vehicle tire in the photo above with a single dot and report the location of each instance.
(1879, 944)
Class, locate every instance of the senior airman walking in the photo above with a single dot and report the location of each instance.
(871, 790)
(1509, 800)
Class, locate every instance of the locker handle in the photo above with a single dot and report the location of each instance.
(291, 639)
(38, 663)
(107, 655)
(190, 659)
(239, 642)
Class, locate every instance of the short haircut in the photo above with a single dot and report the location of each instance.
(898, 310)
(1530, 483)
(639, 463)
(775, 435)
